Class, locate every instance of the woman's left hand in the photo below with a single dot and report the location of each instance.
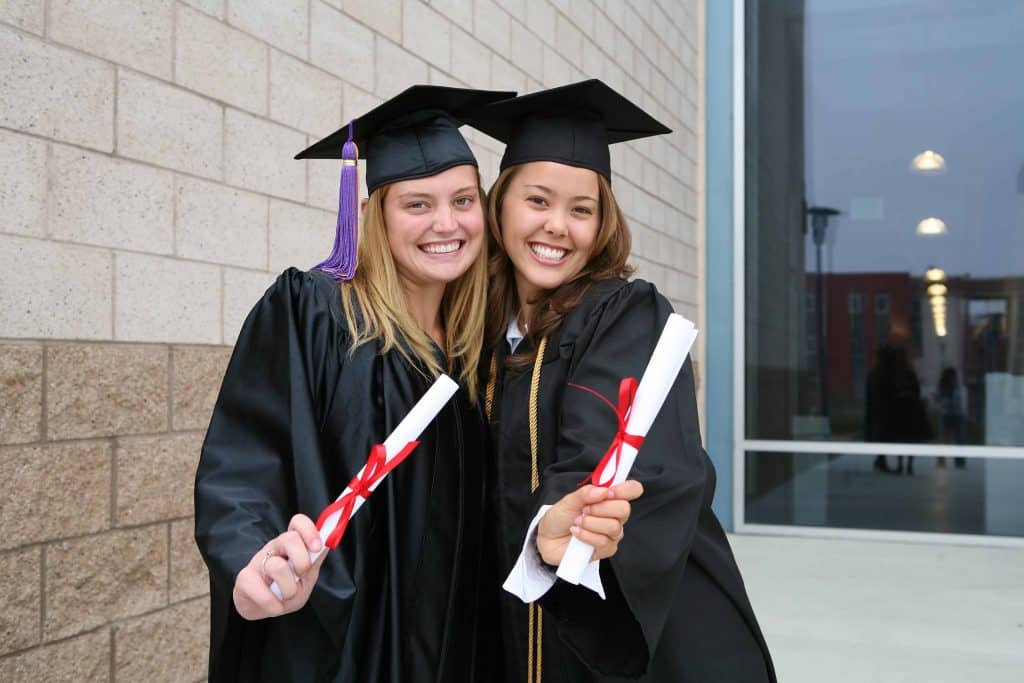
(593, 514)
(286, 560)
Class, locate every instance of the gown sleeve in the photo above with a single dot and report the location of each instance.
(619, 635)
(266, 416)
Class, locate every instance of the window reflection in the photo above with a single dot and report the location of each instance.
(918, 493)
(967, 335)
(885, 222)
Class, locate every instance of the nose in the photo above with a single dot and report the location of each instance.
(555, 225)
(444, 220)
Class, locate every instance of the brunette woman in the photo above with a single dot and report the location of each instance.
(565, 324)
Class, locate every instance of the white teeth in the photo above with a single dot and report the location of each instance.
(548, 253)
(441, 247)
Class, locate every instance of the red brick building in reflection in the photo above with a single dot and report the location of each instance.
(867, 310)
(863, 311)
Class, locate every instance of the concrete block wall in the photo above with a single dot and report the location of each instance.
(147, 198)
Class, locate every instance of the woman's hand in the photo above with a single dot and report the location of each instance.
(252, 595)
(592, 514)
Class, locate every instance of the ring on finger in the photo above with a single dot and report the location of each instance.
(263, 564)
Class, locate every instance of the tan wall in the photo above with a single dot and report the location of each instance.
(98, 569)
(147, 198)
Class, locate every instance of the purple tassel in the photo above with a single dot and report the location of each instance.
(341, 264)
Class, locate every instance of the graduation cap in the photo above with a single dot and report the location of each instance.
(413, 135)
(571, 124)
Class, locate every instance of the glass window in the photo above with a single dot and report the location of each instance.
(884, 296)
(855, 305)
(882, 318)
(884, 273)
(896, 493)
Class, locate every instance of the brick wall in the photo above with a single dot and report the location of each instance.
(148, 197)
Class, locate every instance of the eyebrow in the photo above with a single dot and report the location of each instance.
(428, 195)
(577, 198)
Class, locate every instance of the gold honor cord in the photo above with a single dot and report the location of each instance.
(536, 639)
(536, 623)
(492, 378)
(534, 389)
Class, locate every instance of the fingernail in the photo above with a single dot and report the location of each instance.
(316, 545)
(586, 510)
(574, 530)
(578, 520)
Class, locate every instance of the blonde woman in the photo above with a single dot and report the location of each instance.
(326, 364)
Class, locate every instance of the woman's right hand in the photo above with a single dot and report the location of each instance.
(593, 514)
(252, 596)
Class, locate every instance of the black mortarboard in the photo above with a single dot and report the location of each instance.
(571, 124)
(413, 135)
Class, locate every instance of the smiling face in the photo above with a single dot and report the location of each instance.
(435, 226)
(549, 221)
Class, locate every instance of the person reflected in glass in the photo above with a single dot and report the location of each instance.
(893, 411)
(949, 396)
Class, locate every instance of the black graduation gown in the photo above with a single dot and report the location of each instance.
(677, 610)
(296, 418)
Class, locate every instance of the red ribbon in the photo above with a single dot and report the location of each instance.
(377, 467)
(627, 392)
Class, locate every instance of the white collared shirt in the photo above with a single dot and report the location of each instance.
(513, 335)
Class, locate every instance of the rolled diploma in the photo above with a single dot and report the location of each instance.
(409, 429)
(667, 360)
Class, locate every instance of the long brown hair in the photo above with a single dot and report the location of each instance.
(384, 314)
(608, 259)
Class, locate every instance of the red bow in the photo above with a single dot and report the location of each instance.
(377, 467)
(627, 392)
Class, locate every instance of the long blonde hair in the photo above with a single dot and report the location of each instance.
(375, 307)
(608, 258)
